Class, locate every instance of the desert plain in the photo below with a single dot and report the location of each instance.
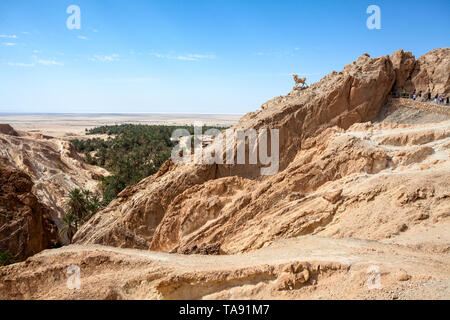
(72, 126)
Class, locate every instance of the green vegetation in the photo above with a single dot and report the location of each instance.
(80, 206)
(6, 258)
(70, 226)
(131, 153)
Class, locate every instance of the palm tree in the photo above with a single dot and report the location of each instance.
(76, 204)
(70, 226)
(94, 204)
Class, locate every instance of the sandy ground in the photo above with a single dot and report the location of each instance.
(334, 269)
(70, 126)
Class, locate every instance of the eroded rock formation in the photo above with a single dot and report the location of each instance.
(8, 130)
(309, 267)
(53, 166)
(341, 98)
(430, 73)
(231, 208)
(339, 184)
(26, 226)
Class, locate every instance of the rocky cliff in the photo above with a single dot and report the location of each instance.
(429, 73)
(367, 182)
(187, 208)
(52, 165)
(26, 226)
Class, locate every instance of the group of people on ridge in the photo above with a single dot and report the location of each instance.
(438, 99)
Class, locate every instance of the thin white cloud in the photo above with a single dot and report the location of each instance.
(82, 38)
(187, 57)
(21, 64)
(202, 56)
(9, 44)
(159, 55)
(278, 53)
(129, 80)
(5, 36)
(26, 33)
(100, 58)
(50, 63)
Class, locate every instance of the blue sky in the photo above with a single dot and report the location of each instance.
(192, 56)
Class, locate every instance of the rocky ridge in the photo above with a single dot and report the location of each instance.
(309, 267)
(186, 208)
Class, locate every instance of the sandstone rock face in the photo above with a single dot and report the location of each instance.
(216, 209)
(431, 72)
(26, 227)
(237, 212)
(404, 63)
(53, 166)
(340, 99)
(131, 219)
(7, 129)
(338, 185)
(309, 267)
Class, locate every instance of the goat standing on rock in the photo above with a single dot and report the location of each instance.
(299, 81)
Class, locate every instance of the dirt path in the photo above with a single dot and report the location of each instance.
(300, 268)
(413, 112)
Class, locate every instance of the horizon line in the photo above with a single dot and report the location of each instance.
(131, 113)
